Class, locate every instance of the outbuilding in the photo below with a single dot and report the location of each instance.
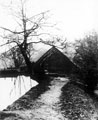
(54, 62)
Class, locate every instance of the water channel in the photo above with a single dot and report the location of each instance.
(12, 89)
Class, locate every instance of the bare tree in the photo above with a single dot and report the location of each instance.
(29, 31)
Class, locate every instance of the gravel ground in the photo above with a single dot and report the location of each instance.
(57, 100)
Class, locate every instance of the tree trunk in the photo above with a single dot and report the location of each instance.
(28, 63)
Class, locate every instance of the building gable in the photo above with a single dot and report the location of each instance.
(54, 61)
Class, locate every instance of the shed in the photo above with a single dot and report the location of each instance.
(54, 62)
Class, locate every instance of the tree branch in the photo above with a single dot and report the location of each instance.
(38, 14)
(11, 30)
(9, 42)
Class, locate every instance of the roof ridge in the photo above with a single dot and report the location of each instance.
(47, 53)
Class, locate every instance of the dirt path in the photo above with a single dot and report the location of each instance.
(62, 100)
(48, 103)
(46, 107)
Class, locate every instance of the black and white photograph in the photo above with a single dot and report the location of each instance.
(48, 59)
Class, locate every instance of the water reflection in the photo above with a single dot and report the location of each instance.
(13, 88)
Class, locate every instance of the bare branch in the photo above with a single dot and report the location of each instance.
(28, 31)
(47, 43)
(35, 42)
(38, 14)
(40, 34)
(11, 30)
(4, 44)
(9, 42)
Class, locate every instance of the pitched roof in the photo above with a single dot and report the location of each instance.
(49, 53)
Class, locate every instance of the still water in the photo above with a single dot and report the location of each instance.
(13, 88)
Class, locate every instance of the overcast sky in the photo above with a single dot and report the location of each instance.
(75, 18)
